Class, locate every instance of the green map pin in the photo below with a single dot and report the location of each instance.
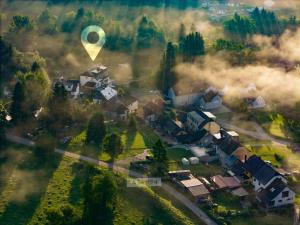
(93, 49)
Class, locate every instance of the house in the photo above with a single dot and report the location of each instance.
(203, 154)
(222, 182)
(196, 137)
(116, 110)
(152, 110)
(226, 143)
(262, 173)
(276, 194)
(97, 75)
(256, 103)
(174, 128)
(181, 97)
(211, 99)
(109, 93)
(198, 120)
(196, 188)
(72, 87)
(131, 103)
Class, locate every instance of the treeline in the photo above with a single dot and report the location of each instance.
(179, 4)
(259, 21)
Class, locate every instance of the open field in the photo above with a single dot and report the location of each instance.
(61, 183)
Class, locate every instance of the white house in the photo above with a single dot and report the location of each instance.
(198, 120)
(276, 194)
(258, 103)
(184, 98)
(97, 75)
(211, 99)
(262, 173)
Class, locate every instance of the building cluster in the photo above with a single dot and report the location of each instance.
(197, 130)
(96, 85)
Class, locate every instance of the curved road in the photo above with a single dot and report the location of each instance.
(180, 197)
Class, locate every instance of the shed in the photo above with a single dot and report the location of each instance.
(185, 161)
(194, 160)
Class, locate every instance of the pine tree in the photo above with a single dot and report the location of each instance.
(16, 109)
(96, 129)
(193, 46)
(166, 77)
(181, 36)
(160, 159)
(113, 145)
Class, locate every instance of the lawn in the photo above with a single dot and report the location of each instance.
(278, 155)
(273, 123)
(133, 141)
(59, 182)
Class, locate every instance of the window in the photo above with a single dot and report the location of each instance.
(271, 203)
(280, 200)
(285, 194)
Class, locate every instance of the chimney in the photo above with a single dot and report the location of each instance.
(245, 158)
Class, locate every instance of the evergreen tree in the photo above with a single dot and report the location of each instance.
(16, 111)
(193, 46)
(3, 123)
(160, 159)
(100, 199)
(132, 123)
(166, 77)
(113, 145)
(64, 215)
(96, 129)
(181, 36)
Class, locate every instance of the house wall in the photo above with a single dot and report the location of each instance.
(133, 107)
(221, 156)
(280, 201)
(85, 79)
(183, 100)
(215, 103)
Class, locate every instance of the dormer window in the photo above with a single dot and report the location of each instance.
(273, 189)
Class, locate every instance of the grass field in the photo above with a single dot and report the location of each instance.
(59, 181)
(134, 143)
(279, 156)
(273, 123)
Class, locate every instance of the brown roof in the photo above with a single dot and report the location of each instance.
(199, 190)
(90, 84)
(191, 182)
(225, 182)
(241, 153)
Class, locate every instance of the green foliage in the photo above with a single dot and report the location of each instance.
(166, 76)
(47, 23)
(148, 34)
(181, 36)
(240, 26)
(160, 163)
(193, 46)
(21, 23)
(3, 123)
(113, 145)
(96, 129)
(100, 199)
(17, 106)
(230, 45)
(266, 22)
(132, 123)
(64, 215)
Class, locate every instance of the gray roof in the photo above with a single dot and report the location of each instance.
(274, 189)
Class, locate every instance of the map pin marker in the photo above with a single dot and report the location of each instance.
(93, 39)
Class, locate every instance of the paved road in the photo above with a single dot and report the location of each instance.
(259, 134)
(180, 197)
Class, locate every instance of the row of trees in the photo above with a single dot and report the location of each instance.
(260, 21)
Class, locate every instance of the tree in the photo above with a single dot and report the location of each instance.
(64, 215)
(47, 23)
(3, 123)
(113, 145)
(96, 129)
(181, 36)
(193, 46)
(132, 123)
(240, 26)
(16, 110)
(160, 160)
(166, 76)
(21, 23)
(100, 199)
(148, 34)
